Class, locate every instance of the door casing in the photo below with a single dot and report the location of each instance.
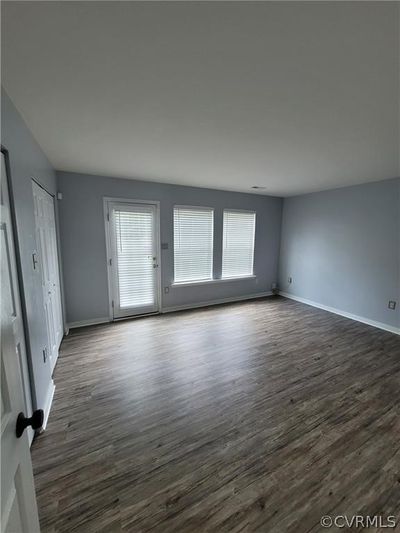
(56, 298)
(18, 503)
(106, 203)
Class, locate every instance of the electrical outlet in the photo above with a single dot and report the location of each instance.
(392, 305)
(290, 279)
(166, 290)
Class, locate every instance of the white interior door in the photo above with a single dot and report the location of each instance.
(46, 241)
(134, 263)
(18, 502)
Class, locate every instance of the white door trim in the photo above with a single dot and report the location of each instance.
(53, 263)
(59, 260)
(107, 200)
(25, 362)
(18, 500)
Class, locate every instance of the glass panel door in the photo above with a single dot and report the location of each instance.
(134, 261)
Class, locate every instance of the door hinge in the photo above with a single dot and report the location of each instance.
(112, 303)
(34, 260)
(110, 261)
(108, 217)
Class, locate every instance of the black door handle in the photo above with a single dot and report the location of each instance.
(35, 421)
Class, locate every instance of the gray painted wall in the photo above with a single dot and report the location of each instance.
(342, 247)
(27, 161)
(84, 246)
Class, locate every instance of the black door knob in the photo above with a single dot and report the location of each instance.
(35, 421)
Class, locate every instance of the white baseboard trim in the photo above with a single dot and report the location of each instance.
(105, 320)
(231, 299)
(49, 401)
(89, 322)
(368, 321)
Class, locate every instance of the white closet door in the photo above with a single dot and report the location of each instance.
(133, 263)
(46, 241)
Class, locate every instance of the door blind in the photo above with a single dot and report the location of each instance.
(134, 254)
(193, 243)
(238, 243)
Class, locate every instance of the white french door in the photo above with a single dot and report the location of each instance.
(133, 242)
(46, 241)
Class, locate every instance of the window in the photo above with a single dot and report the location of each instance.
(193, 244)
(238, 244)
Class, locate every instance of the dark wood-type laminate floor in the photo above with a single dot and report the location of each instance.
(257, 416)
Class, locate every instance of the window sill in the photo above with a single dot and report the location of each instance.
(210, 281)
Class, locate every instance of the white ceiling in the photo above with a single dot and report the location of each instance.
(291, 96)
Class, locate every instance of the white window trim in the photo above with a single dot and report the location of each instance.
(226, 209)
(198, 208)
(210, 281)
(240, 211)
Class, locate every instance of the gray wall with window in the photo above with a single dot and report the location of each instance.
(84, 247)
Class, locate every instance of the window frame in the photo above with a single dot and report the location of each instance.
(242, 276)
(194, 208)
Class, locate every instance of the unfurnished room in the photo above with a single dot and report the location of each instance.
(200, 266)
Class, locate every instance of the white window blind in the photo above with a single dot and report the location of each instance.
(193, 243)
(134, 252)
(238, 243)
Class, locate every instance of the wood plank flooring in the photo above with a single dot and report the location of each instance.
(258, 416)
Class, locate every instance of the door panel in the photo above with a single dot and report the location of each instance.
(54, 269)
(134, 263)
(46, 241)
(18, 501)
